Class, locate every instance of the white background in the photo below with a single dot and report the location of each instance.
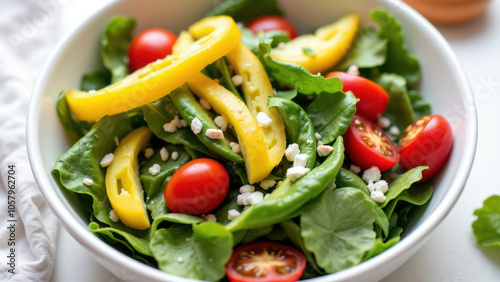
(451, 254)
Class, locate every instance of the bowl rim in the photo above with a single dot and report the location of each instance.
(104, 251)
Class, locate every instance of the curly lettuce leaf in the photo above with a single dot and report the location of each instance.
(368, 51)
(487, 226)
(246, 10)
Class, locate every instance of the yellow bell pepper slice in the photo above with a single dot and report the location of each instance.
(250, 138)
(256, 88)
(183, 40)
(123, 185)
(217, 36)
(324, 49)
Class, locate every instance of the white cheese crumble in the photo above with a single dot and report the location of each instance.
(210, 217)
(300, 160)
(88, 182)
(381, 186)
(171, 126)
(182, 123)
(264, 120)
(235, 147)
(237, 80)
(221, 122)
(180, 260)
(394, 130)
(353, 69)
(267, 183)
(281, 45)
(113, 216)
(164, 154)
(155, 169)
(204, 103)
(318, 136)
(354, 168)
(247, 188)
(242, 199)
(214, 133)
(148, 152)
(291, 151)
(107, 159)
(255, 198)
(377, 196)
(175, 155)
(232, 214)
(309, 141)
(372, 174)
(196, 126)
(296, 172)
(117, 141)
(324, 150)
(92, 91)
(267, 196)
(384, 122)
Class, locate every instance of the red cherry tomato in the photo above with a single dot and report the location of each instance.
(197, 187)
(265, 262)
(272, 22)
(427, 141)
(373, 99)
(367, 145)
(150, 45)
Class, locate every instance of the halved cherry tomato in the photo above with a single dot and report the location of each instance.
(367, 145)
(265, 262)
(373, 99)
(150, 45)
(427, 141)
(197, 187)
(272, 22)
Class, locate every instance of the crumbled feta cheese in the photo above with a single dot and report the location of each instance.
(255, 198)
(155, 169)
(381, 186)
(113, 216)
(204, 103)
(175, 155)
(296, 172)
(371, 186)
(353, 69)
(309, 141)
(242, 199)
(172, 126)
(88, 182)
(148, 152)
(377, 196)
(92, 91)
(373, 174)
(247, 188)
(180, 260)
(394, 130)
(221, 122)
(354, 168)
(237, 80)
(264, 120)
(300, 160)
(235, 147)
(384, 122)
(164, 154)
(267, 196)
(267, 183)
(117, 141)
(281, 45)
(318, 136)
(324, 150)
(291, 151)
(320, 143)
(182, 123)
(210, 217)
(214, 133)
(107, 159)
(232, 214)
(196, 126)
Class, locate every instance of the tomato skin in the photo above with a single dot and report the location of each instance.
(426, 144)
(197, 187)
(272, 22)
(150, 45)
(373, 99)
(365, 156)
(242, 256)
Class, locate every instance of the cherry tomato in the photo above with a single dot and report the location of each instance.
(150, 45)
(272, 22)
(427, 141)
(265, 262)
(367, 145)
(373, 99)
(197, 187)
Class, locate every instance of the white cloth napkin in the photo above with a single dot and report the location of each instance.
(28, 33)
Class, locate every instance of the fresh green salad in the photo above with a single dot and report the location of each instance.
(240, 149)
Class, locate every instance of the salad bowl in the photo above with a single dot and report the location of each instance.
(443, 84)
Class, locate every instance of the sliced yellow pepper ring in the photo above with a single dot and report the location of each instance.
(324, 49)
(250, 138)
(217, 36)
(183, 40)
(123, 185)
(256, 88)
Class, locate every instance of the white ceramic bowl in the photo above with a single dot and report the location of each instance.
(443, 84)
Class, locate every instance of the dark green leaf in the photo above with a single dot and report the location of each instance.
(72, 126)
(487, 226)
(246, 10)
(381, 246)
(421, 107)
(404, 182)
(95, 80)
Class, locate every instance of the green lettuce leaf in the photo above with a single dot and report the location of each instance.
(95, 80)
(381, 246)
(402, 183)
(246, 10)
(368, 51)
(487, 226)
(417, 194)
(251, 41)
(74, 128)
(340, 234)
(421, 107)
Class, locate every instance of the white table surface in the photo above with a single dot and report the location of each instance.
(451, 254)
